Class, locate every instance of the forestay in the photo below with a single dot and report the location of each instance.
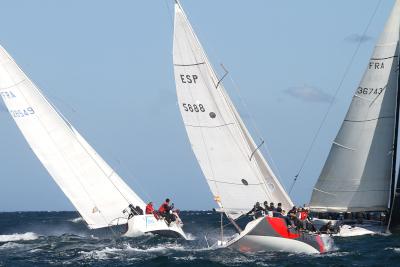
(236, 171)
(97, 192)
(357, 173)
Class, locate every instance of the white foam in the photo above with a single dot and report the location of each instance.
(187, 258)
(102, 254)
(76, 220)
(17, 237)
(393, 249)
(11, 245)
(113, 252)
(190, 237)
(159, 248)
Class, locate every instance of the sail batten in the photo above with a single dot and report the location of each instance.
(93, 187)
(219, 139)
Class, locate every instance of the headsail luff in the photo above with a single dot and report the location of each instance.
(219, 138)
(357, 173)
(93, 187)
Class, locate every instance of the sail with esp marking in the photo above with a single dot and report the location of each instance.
(236, 172)
(93, 187)
(358, 171)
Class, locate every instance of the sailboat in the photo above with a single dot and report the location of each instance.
(358, 184)
(98, 193)
(236, 171)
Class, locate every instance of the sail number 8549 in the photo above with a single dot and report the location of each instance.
(22, 112)
(193, 107)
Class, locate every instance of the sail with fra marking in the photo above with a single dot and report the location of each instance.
(236, 171)
(93, 187)
(357, 175)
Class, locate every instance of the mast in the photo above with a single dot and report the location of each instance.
(394, 205)
(396, 131)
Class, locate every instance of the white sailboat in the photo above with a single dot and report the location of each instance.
(359, 175)
(101, 197)
(236, 172)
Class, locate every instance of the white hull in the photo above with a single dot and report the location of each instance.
(245, 243)
(360, 229)
(268, 239)
(143, 224)
(347, 230)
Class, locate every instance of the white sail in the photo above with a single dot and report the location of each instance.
(357, 173)
(236, 171)
(93, 187)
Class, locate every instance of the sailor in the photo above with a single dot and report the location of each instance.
(327, 228)
(279, 208)
(266, 206)
(134, 211)
(257, 210)
(271, 207)
(292, 216)
(150, 210)
(165, 211)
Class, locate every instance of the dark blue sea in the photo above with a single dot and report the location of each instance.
(62, 238)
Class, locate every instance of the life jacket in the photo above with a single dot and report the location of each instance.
(149, 209)
(163, 208)
(303, 215)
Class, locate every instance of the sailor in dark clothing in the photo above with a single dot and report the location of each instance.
(279, 208)
(329, 228)
(292, 216)
(134, 211)
(271, 207)
(257, 210)
(266, 206)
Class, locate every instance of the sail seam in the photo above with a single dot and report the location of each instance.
(383, 58)
(212, 180)
(216, 126)
(11, 86)
(188, 65)
(353, 191)
(375, 119)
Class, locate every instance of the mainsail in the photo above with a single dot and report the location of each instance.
(235, 169)
(357, 175)
(93, 187)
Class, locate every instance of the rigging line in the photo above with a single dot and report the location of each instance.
(334, 96)
(131, 175)
(169, 11)
(109, 151)
(254, 126)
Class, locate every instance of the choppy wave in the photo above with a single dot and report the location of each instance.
(61, 238)
(76, 220)
(18, 237)
(11, 245)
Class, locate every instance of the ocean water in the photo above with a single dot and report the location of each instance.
(62, 238)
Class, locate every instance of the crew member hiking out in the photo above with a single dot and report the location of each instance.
(257, 210)
(150, 210)
(165, 211)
